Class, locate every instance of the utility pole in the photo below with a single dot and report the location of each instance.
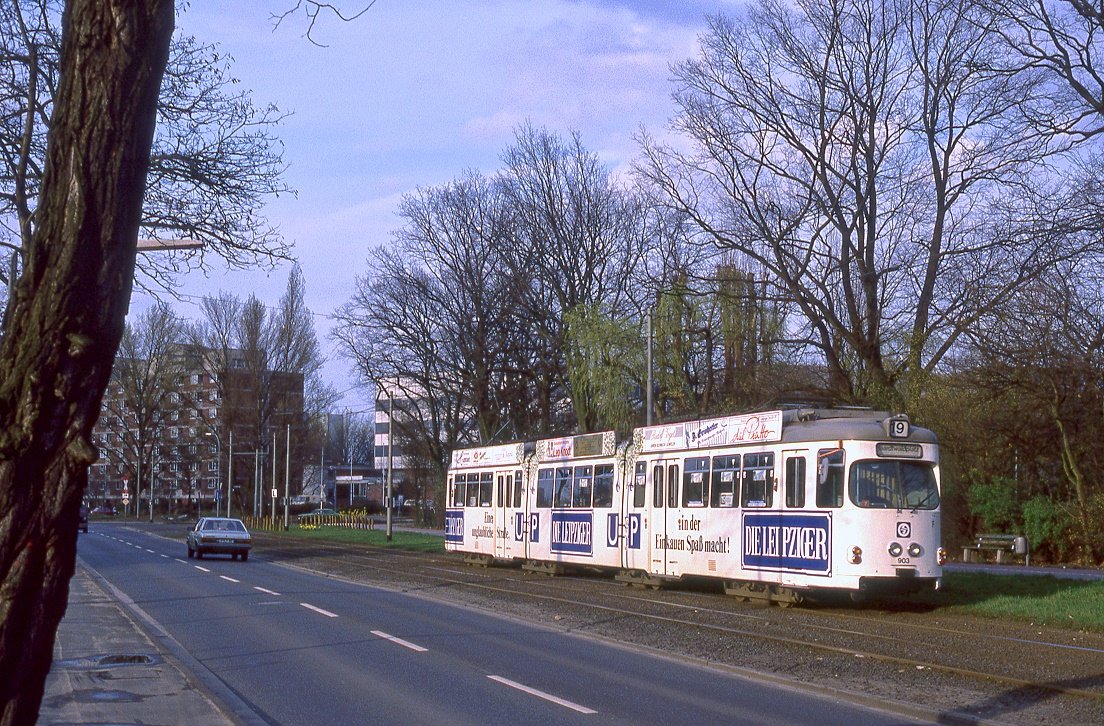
(390, 454)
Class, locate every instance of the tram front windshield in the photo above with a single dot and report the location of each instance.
(885, 484)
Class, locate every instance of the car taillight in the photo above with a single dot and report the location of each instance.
(941, 556)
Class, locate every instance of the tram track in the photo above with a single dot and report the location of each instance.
(793, 642)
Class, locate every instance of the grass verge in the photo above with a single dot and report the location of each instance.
(400, 539)
(1036, 599)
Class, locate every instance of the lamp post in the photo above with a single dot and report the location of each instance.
(287, 476)
(390, 455)
(230, 473)
(648, 399)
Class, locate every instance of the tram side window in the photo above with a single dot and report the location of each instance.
(695, 483)
(503, 490)
(640, 485)
(458, 490)
(830, 478)
(486, 488)
(758, 484)
(725, 471)
(603, 486)
(563, 487)
(518, 489)
(672, 485)
(472, 490)
(582, 493)
(657, 486)
(544, 488)
(795, 482)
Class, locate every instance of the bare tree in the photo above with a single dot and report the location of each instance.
(214, 162)
(577, 239)
(403, 340)
(146, 376)
(1042, 357)
(869, 159)
(266, 366)
(65, 317)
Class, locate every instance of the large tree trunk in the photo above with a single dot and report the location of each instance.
(65, 319)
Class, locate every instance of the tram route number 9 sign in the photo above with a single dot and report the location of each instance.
(783, 541)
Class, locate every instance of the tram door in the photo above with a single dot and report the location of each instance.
(509, 513)
(665, 513)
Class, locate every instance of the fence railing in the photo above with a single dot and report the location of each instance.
(345, 520)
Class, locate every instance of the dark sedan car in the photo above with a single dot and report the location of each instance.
(219, 536)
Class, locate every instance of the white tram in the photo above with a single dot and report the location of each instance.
(776, 504)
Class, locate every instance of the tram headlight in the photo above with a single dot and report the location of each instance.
(856, 555)
(895, 549)
(915, 550)
(941, 556)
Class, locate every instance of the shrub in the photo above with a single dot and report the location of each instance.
(993, 500)
(1047, 526)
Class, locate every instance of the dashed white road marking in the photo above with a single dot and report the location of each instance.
(327, 613)
(399, 641)
(150, 551)
(228, 579)
(266, 592)
(541, 694)
(180, 560)
(201, 569)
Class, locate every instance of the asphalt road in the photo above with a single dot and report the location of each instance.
(296, 647)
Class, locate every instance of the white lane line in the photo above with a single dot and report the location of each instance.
(167, 557)
(327, 613)
(399, 641)
(541, 694)
(150, 551)
(228, 579)
(180, 560)
(266, 592)
(201, 569)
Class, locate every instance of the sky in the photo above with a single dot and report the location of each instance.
(412, 94)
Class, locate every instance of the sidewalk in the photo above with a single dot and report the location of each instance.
(106, 670)
(1012, 569)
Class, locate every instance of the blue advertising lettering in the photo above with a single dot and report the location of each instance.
(783, 541)
(454, 525)
(572, 533)
(632, 531)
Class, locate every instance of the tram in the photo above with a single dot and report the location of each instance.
(778, 504)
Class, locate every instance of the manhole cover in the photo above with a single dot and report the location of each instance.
(112, 697)
(123, 659)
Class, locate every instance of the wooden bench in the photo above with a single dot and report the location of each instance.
(1005, 545)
